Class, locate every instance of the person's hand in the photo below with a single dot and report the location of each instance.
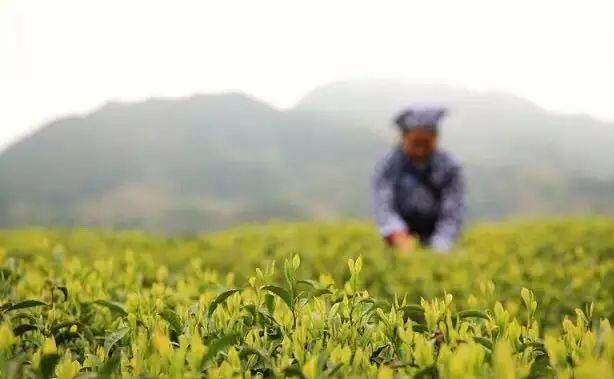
(406, 245)
(403, 242)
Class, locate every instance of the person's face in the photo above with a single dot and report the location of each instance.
(419, 143)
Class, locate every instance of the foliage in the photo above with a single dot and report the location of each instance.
(100, 304)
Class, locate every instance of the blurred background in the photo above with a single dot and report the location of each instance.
(180, 116)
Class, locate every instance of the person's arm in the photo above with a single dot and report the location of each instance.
(452, 212)
(390, 224)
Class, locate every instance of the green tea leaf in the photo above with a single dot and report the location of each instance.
(471, 313)
(420, 329)
(412, 308)
(220, 299)
(110, 366)
(281, 293)
(269, 303)
(5, 273)
(484, 342)
(173, 320)
(113, 338)
(540, 368)
(377, 352)
(251, 310)
(218, 346)
(261, 353)
(25, 304)
(21, 329)
(292, 372)
(48, 363)
(4, 306)
(319, 292)
(333, 370)
(310, 282)
(114, 307)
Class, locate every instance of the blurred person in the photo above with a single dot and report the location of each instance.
(418, 189)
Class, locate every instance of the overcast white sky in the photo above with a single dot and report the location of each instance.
(69, 56)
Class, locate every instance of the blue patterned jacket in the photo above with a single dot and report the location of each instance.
(426, 201)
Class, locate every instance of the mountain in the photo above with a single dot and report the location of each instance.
(494, 129)
(210, 161)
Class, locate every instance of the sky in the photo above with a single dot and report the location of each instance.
(62, 57)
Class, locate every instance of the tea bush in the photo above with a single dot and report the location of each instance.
(338, 303)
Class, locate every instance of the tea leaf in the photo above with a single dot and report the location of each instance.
(220, 299)
(48, 363)
(113, 307)
(21, 329)
(113, 338)
(472, 313)
(281, 293)
(219, 345)
(173, 320)
(25, 304)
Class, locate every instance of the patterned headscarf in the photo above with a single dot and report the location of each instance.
(420, 116)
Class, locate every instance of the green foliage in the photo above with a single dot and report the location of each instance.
(70, 307)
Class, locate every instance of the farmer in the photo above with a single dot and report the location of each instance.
(418, 190)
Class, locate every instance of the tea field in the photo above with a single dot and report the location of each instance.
(522, 299)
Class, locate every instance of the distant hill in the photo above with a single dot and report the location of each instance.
(210, 161)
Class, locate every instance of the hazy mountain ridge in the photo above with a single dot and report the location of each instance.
(209, 161)
(482, 124)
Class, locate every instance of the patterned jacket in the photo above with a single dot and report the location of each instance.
(427, 201)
